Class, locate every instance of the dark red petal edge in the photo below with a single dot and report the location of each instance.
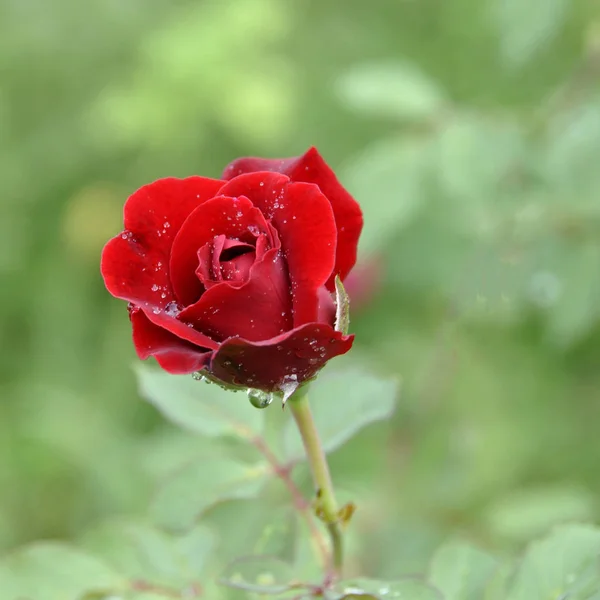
(296, 356)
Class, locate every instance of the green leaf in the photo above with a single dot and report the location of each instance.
(54, 571)
(527, 28)
(398, 90)
(202, 408)
(389, 180)
(195, 487)
(475, 157)
(569, 158)
(343, 403)
(257, 526)
(460, 571)
(559, 564)
(141, 552)
(367, 589)
(576, 306)
(526, 514)
(259, 574)
(500, 582)
(342, 304)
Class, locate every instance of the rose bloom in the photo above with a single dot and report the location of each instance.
(234, 276)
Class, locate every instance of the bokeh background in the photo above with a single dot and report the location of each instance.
(469, 130)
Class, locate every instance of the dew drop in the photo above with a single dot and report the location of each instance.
(155, 288)
(259, 399)
(166, 224)
(198, 376)
(172, 309)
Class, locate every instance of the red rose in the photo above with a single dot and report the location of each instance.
(234, 276)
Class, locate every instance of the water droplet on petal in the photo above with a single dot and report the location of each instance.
(259, 399)
(198, 376)
(155, 288)
(172, 309)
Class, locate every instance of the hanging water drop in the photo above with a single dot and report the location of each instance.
(259, 399)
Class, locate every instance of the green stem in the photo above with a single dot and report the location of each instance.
(327, 508)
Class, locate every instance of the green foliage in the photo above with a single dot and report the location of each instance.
(368, 589)
(396, 90)
(461, 572)
(367, 399)
(263, 575)
(140, 551)
(469, 131)
(198, 486)
(206, 410)
(54, 571)
(565, 563)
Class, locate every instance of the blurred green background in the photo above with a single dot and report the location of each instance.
(469, 130)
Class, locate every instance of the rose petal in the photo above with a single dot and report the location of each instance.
(169, 320)
(211, 267)
(311, 168)
(296, 355)
(135, 273)
(228, 216)
(173, 354)
(326, 307)
(257, 310)
(135, 263)
(304, 219)
(205, 272)
(238, 268)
